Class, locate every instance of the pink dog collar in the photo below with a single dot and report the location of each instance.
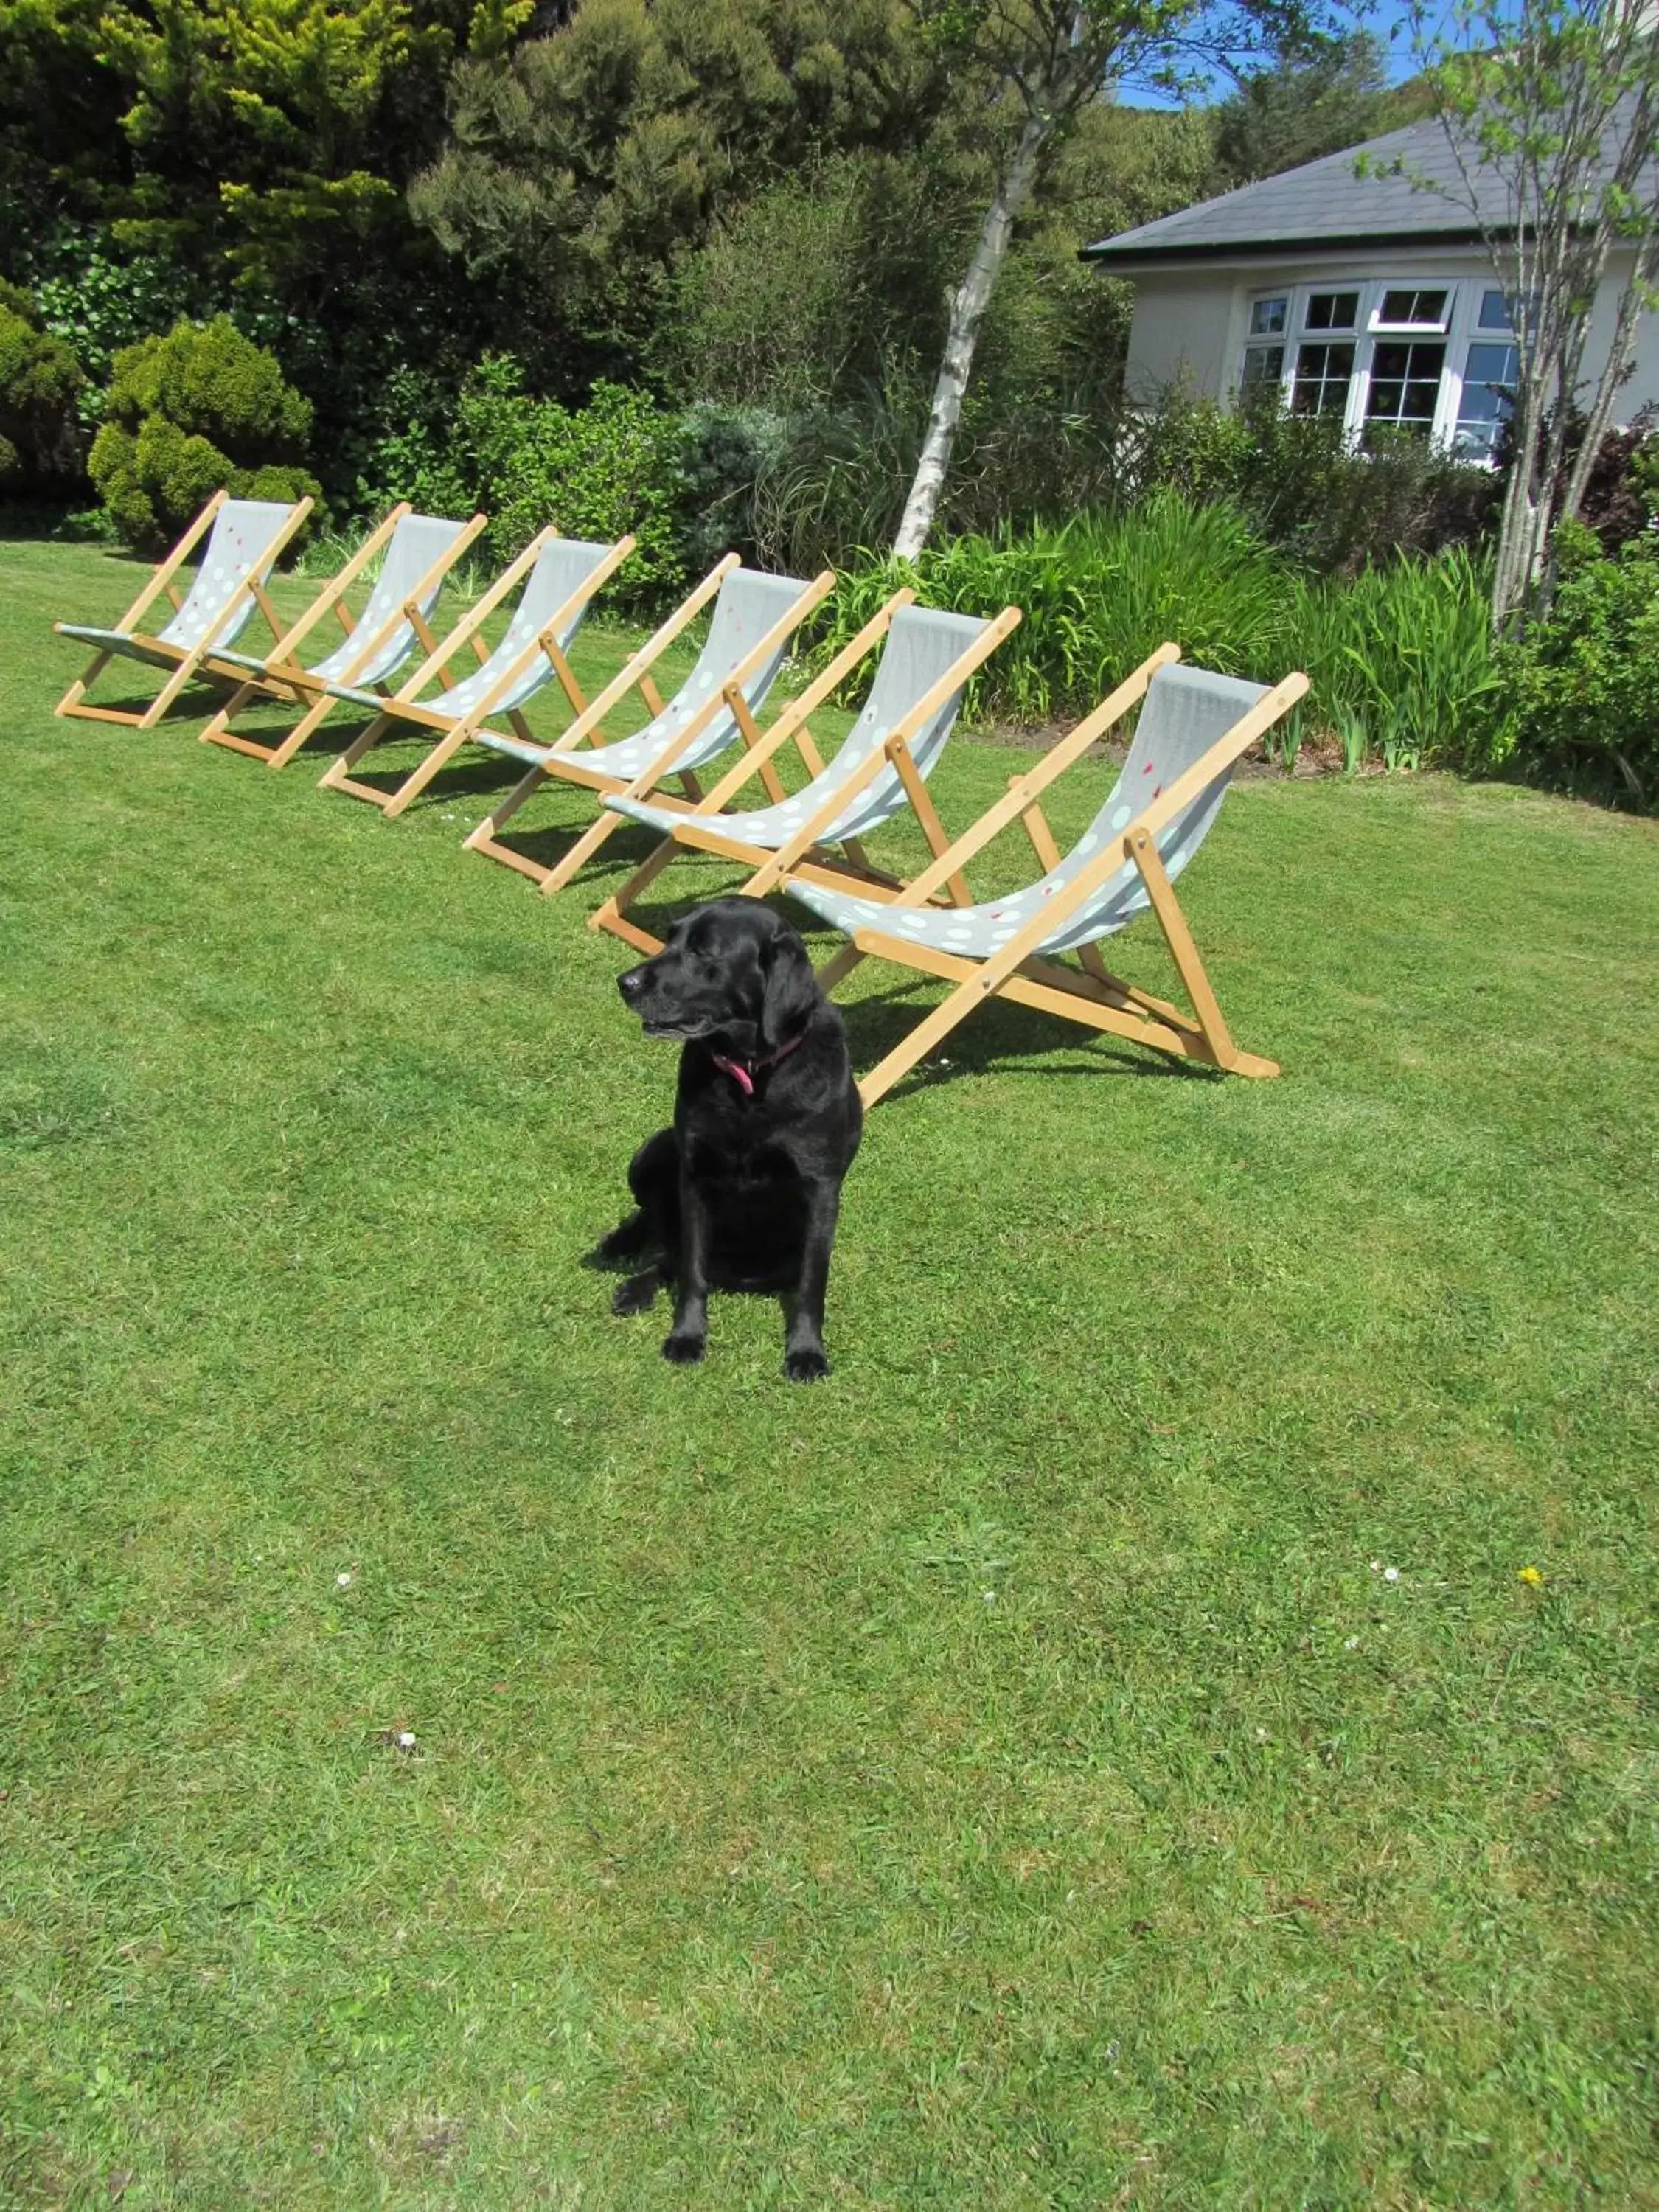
(742, 1076)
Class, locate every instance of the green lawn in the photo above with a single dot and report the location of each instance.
(1002, 1777)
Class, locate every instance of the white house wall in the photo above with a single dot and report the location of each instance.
(1190, 322)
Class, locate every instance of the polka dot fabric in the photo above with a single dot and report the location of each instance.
(750, 604)
(922, 643)
(239, 546)
(1186, 711)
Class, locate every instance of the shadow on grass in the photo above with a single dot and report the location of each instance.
(999, 1038)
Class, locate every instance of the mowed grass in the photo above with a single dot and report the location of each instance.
(1003, 1776)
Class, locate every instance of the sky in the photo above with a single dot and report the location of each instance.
(1389, 19)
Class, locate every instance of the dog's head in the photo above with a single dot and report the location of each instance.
(729, 969)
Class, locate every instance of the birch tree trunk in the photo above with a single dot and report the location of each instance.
(967, 305)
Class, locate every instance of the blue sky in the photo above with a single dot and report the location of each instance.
(1382, 18)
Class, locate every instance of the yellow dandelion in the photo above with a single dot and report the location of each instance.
(1532, 1579)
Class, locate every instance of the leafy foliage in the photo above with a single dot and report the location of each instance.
(1333, 509)
(200, 408)
(1099, 594)
(1576, 708)
(1401, 657)
(594, 471)
(1621, 491)
(580, 168)
(1317, 100)
(39, 381)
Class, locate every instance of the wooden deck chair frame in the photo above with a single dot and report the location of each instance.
(1091, 994)
(404, 705)
(804, 855)
(285, 680)
(195, 661)
(589, 772)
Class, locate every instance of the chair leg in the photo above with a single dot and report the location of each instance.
(612, 915)
(843, 963)
(581, 852)
(78, 690)
(503, 812)
(165, 697)
(310, 721)
(413, 785)
(337, 776)
(1183, 950)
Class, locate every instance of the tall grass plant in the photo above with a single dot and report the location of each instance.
(1400, 656)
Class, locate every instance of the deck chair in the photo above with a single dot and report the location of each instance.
(561, 577)
(884, 766)
(755, 618)
(1192, 728)
(418, 551)
(248, 535)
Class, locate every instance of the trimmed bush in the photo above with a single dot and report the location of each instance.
(39, 383)
(594, 471)
(203, 406)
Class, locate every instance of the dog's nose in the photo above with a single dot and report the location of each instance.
(631, 985)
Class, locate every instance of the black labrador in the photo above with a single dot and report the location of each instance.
(743, 1192)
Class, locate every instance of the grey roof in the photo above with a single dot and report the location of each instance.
(1325, 204)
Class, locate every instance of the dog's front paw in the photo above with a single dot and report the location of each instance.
(810, 1363)
(637, 1296)
(681, 1349)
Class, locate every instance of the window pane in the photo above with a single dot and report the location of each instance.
(1405, 386)
(1321, 384)
(1488, 396)
(1495, 312)
(1332, 311)
(1410, 310)
(1268, 318)
(1262, 364)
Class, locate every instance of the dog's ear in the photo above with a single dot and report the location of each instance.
(792, 989)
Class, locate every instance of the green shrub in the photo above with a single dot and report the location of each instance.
(39, 382)
(203, 406)
(1098, 594)
(594, 471)
(1333, 510)
(1577, 704)
(1400, 656)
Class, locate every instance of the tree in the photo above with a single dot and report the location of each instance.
(1041, 63)
(1308, 104)
(583, 165)
(1553, 119)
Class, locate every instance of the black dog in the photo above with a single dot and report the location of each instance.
(743, 1192)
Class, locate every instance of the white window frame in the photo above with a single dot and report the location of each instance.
(1461, 329)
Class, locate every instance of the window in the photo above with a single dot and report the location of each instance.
(1489, 380)
(1265, 363)
(1435, 360)
(1323, 373)
(1411, 311)
(1332, 311)
(1405, 387)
